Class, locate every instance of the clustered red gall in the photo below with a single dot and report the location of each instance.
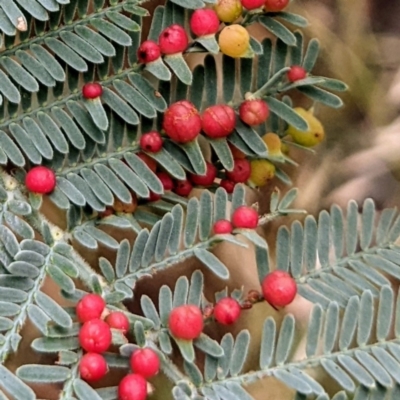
(227, 311)
(218, 121)
(279, 288)
(254, 112)
(275, 5)
(228, 185)
(241, 171)
(145, 362)
(40, 180)
(92, 90)
(95, 336)
(296, 73)
(91, 306)
(252, 4)
(183, 188)
(245, 217)
(182, 122)
(118, 320)
(148, 51)
(151, 142)
(208, 178)
(166, 181)
(204, 22)
(132, 387)
(186, 322)
(222, 226)
(92, 367)
(173, 40)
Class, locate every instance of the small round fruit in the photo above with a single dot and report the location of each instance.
(296, 73)
(92, 367)
(92, 90)
(228, 10)
(227, 311)
(222, 227)
(245, 217)
(275, 5)
(148, 51)
(274, 144)
(132, 387)
(228, 185)
(315, 133)
(241, 171)
(40, 180)
(207, 179)
(183, 188)
(262, 172)
(91, 306)
(151, 142)
(118, 320)
(154, 196)
(150, 162)
(95, 336)
(145, 362)
(218, 121)
(254, 112)
(182, 122)
(279, 288)
(204, 22)
(186, 322)
(252, 4)
(234, 41)
(236, 153)
(166, 181)
(173, 40)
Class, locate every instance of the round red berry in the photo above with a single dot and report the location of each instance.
(275, 5)
(145, 362)
(227, 311)
(132, 387)
(222, 226)
(208, 178)
(154, 196)
(173, 39)
(253, 112)
(218, 121)
(92, 367)
(150, 162)
(279, 288)
(151, 142)
(92, 90)
(183, 188)
(166, 181)
(228, 185)
(95, 336)
(296, 73)
(40, 180)
(118, 320)
(148, 51)
(91, 306)
(241, 171)
(245, 217)
(186, 322)
(252, 4)
(204, 22)
(182, 122)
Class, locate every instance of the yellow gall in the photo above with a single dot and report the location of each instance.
(315, 133)
(274, 144)
(234, 41)
(262, 172)
(228, 10)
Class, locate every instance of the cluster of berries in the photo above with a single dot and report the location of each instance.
(95, 338)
